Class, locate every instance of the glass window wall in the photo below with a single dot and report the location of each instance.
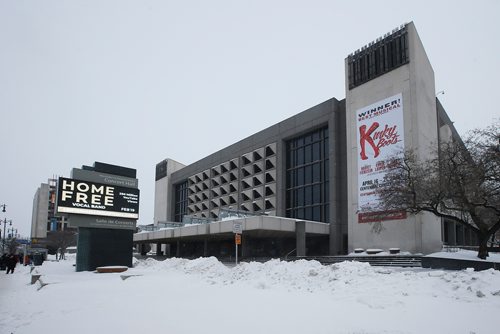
(307, 176)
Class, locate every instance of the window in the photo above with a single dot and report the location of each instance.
(181, 200)
(379, 58)
(307, 176)
(161, 170)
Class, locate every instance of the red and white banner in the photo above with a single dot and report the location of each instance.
(380, 134)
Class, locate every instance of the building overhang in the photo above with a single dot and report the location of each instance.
(257, 226)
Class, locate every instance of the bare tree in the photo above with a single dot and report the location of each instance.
(58, 241)
(461, 183)
(11, 245)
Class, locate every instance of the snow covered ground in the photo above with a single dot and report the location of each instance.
(205, 296)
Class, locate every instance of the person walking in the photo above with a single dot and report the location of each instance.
(11, 263)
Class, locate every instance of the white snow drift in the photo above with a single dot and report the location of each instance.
(203, 295)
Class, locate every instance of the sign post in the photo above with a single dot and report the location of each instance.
(237, 230)
(237, 241)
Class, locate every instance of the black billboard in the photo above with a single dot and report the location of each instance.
(97, 199)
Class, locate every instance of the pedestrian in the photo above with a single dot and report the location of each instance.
(3, 262)
(11, 263)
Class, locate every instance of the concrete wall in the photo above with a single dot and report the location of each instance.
(338, 182)
(424, 133)
(415, 81)
(162, 195)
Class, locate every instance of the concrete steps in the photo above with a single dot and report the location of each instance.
(374, 260)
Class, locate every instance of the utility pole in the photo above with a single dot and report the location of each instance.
(4, 226)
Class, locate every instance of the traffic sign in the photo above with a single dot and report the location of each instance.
(237, 228)
(237, 239)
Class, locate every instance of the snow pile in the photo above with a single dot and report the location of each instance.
(204, 295)
(340, 278)
(463, 254)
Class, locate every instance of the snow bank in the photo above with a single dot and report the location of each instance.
(462, 254)
(312, 276)
(204, 295)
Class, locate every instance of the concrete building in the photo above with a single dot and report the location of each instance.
(310, 178)
(162, 180)
(44, 218)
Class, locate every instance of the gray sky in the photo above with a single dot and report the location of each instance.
(118, 81)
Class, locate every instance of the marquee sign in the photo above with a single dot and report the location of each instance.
(97, 199)
(380, 134)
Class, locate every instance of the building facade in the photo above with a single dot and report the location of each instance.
(395, 68)
(44, 218)
(323, 164)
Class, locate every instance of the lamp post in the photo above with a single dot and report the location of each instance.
(4, 225)
(12, 235)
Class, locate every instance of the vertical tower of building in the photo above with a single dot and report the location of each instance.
(390, 106)
(162, 181)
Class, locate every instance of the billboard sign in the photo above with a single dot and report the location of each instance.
(380, 134)
(97, 199)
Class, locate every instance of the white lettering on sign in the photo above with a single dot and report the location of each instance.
(79, 192)
(380, 138)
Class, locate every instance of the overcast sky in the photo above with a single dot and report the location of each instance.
(121, 81)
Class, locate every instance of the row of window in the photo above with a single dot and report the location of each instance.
(315, 213)
(309, 138)
(307, 179)
(313, 173)
(307, 176)
(181, 201)
(380, 58)
(308, 195)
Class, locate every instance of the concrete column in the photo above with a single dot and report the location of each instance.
(300, 237)
(205, 247)
(158, 249)
(335, 185)
(142, 248)
(168, 250)
(178, 251)
(245, 246)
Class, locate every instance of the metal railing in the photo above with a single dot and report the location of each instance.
(289, 253)
(224, 214)
(193, 220)
(159, 226)
(233, 214)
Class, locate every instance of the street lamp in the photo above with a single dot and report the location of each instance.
(4, 225)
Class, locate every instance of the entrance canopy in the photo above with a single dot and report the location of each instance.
(258, 226)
